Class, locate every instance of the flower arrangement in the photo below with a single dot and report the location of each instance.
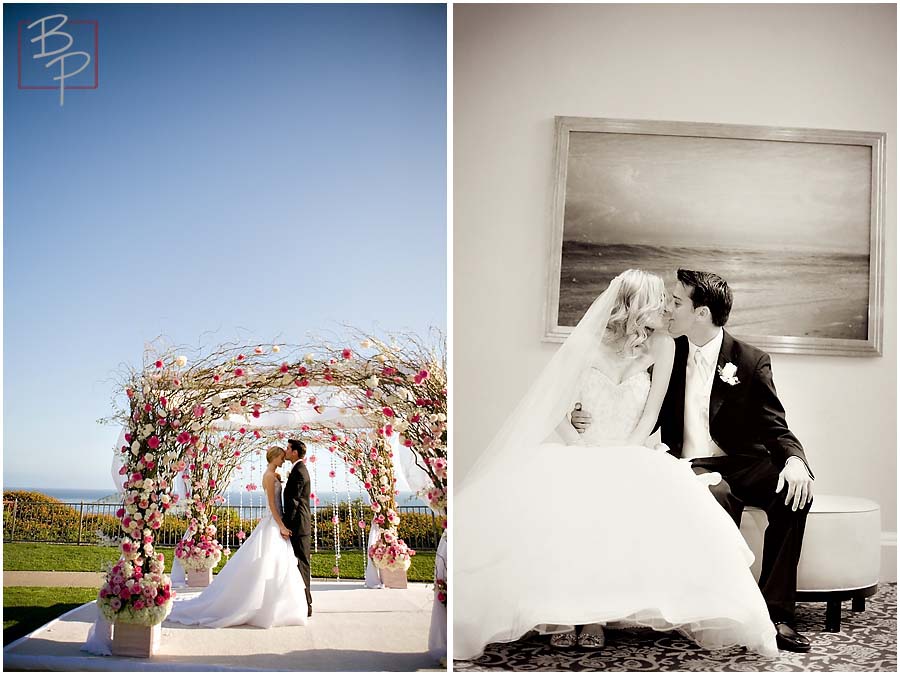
(130, 596)
(391, 552)
(199, 550)
(440, 590)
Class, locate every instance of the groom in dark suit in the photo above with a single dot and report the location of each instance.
(296, 511)
(722, 412)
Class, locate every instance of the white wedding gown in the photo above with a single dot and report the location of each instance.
(259, 586)
(603, 533)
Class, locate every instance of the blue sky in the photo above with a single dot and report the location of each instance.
(257, 171)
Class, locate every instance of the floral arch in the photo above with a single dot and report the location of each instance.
(193, 416)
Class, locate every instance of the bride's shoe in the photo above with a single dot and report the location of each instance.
(592, 637)
(563, 640)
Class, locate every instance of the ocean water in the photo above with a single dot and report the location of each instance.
(778, 293)
(233, 498)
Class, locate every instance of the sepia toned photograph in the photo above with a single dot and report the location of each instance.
(672, 225)
(791, 217)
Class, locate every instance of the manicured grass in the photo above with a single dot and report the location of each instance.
(26, 608)
(71, 558)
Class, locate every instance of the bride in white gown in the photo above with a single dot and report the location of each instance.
(260, 585)
(557, 530)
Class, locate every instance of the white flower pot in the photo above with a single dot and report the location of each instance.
(131, 639)
(393, 578)
(199, 578)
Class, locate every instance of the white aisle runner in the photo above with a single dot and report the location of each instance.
(353, 629)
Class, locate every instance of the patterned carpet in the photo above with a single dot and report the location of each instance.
(867, 642)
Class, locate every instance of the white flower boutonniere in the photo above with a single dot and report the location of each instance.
(727, 374)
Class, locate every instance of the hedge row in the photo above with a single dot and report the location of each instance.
(37, 517)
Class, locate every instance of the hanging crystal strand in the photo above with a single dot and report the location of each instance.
(241, 511)
(228, 516)
(349, 503)
(335, 518)
(315, 513)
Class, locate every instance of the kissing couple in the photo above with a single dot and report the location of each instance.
(624, 534)
(266, 582)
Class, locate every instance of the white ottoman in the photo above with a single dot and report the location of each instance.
(841, 555)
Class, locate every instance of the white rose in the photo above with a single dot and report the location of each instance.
(148, 484)
(384, 480)
(196, 426)
(148, 457)
(372, 382)
(365, 344)
(165, 499)
(181, 361)
(442, 417)
(276, 348)
(309, 358)
(381, 358)
(146, 430)
(728, 371)
(135, 448)
(216, 399)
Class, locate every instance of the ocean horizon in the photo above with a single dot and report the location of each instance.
(781, 292)
(233, 497)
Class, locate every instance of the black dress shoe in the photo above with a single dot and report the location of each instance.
(789, 639)
(309, 613)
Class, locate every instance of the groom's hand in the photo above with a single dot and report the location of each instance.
(581, 419)
(799, 483)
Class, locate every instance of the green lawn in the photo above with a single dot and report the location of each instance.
(26, 608)
(72, 558)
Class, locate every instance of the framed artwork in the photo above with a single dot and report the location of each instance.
(792, 218)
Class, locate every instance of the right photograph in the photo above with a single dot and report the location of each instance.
(660, 212)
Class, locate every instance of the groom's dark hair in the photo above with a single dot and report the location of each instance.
(708, 290)
(299, 446)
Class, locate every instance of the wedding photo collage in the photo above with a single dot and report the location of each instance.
(449, 337)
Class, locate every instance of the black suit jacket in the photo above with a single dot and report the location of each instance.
(296, 501)
(744, 419)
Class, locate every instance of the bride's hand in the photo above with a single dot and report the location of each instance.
(285, 533)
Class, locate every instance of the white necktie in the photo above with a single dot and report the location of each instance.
(700, 365)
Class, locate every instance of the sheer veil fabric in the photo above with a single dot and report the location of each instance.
(549, 535)
(553, 393)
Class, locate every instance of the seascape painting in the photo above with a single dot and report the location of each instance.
(789, 224)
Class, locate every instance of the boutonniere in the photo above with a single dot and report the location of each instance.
(727, 374)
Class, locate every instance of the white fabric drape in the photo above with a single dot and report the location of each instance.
(373, 574)
(437, 633)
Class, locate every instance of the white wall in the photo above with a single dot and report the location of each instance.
(516, 66)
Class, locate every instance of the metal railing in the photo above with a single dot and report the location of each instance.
(96, 523)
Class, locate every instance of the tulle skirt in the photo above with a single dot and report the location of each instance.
(623, 536)
(259, 586)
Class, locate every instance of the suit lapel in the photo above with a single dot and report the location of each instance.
(720, 388)
(676, 386)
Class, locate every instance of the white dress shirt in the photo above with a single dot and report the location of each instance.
(701, 369)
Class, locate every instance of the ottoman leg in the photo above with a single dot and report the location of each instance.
(833, 616)
(859, 603)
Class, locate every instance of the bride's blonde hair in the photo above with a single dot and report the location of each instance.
(642, 296)
(273, 452)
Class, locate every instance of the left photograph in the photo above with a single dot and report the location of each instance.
(225, 337)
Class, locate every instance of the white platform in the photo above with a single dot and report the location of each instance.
(353, 629)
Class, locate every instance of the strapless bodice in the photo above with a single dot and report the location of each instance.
(615, 408)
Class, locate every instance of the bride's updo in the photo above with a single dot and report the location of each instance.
(640, 301)
(274, 452)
